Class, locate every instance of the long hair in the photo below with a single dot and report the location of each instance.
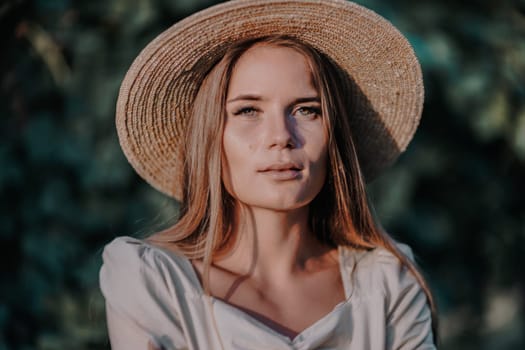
(339, 215)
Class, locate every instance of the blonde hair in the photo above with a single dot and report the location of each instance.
(339, 215)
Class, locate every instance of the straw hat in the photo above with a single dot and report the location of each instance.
(157, 93)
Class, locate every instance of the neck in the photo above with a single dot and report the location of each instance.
(272, 244)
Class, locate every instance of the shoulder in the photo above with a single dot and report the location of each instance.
(134, 270)
(378, 258)
(136, 255)
(392, 291)
(379, 271)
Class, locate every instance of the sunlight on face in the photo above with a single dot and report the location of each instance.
(274, 142)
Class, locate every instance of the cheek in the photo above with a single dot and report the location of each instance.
(231, 147)
(321, 167)
(237, 148)
(319, 156)
(239, 142)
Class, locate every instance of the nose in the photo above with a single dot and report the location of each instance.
(280, 131)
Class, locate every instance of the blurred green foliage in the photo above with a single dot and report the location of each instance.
(66, 189)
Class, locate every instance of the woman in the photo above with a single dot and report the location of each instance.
(276, 121)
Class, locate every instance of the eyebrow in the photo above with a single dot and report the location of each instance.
(259, 98)
(246, 98)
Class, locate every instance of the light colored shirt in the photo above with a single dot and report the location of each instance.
(154, 295)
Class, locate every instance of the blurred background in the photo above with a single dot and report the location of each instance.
(456, 196)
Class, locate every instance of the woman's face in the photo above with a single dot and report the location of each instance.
(274, 141)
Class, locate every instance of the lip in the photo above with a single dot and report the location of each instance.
(281, 167)
(282, 171)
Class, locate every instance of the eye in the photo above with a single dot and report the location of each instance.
(246, 111)
(308, 112)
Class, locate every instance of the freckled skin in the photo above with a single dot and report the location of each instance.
(269, 122)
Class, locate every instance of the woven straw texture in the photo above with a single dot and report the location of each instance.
(156, 94)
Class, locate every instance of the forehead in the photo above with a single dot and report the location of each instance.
(266, 65)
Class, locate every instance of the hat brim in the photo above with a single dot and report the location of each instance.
(157, 92)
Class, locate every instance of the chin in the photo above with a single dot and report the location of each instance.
(278, 203)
